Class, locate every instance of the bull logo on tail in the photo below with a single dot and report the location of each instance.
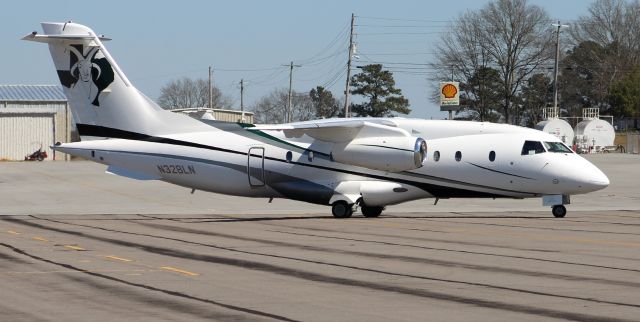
(87, 73)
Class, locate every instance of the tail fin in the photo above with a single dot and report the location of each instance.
(101, 97)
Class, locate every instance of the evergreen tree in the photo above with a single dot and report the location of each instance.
(379, 87)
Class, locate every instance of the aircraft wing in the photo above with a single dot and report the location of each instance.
(338, 131)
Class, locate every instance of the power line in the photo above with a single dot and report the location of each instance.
(335, 79)
(401, 26)
(402, 54)
(245, 69)
(401, 33)
(323, 59)
(404, 19)
(342, 33)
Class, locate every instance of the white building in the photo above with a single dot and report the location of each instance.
(217, 114)
(32, 116)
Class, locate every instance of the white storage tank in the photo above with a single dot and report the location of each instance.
(594, 134)
(560, 128)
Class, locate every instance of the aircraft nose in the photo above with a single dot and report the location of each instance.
(598, 181)
(590, 177)
(576, 175)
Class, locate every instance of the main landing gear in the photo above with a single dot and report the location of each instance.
(341, 209)
(371, 212)
(559, 211)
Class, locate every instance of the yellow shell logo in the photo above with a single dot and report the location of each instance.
(449, 91)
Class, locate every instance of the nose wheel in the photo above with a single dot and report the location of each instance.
(559, 211)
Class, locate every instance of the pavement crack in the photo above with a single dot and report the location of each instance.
(429, 261)
(148, 287)
(322, 278)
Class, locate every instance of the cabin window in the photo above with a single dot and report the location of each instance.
(532, 147)
(289, 156)
(557, 147)
(458, 156)
(436, 156)
(310, 156)
(492, 156)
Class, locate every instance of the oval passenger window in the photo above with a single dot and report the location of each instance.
(492, 156)
(458, 156)
(436, 156)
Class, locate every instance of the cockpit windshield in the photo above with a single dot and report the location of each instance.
(557, 147)
(532, 147)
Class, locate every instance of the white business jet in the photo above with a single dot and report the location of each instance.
(365, 163)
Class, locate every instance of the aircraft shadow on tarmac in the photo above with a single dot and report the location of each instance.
(285, 218)
(257, 218)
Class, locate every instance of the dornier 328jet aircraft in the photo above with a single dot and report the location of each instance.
(346, 163)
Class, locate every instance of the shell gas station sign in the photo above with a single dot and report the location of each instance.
(449, 94)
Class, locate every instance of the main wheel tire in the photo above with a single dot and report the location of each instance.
(371, 212)
(40, 157)
(341, 209)
(559, 211)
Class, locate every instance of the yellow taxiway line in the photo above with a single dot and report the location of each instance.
(173, 269)
(119, 258)
(74, 247)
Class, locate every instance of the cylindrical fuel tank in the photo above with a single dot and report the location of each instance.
(595, 134)
(560, 128)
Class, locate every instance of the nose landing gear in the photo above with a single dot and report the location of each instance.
(557, 203)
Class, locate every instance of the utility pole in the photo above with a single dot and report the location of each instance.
(452, 70)
(555, 70)
(450, 111)
(242, 96)
(242, 100)
(210, 94)
(289, 114)
(346, 90)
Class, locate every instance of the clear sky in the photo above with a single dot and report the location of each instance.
(155, 42)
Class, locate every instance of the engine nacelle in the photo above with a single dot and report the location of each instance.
(393, 154)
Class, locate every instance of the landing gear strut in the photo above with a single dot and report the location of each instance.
(559, 211)
(341, 209)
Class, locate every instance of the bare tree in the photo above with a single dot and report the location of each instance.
(606, 48)
(187, 92)
(272, 108)
(612, 22)
(460, 56)
(510, 36)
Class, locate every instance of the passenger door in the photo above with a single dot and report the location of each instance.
(255, 166)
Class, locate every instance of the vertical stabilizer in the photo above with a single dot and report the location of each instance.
(101, 97)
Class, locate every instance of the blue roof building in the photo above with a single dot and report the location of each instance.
(32, 93)
(33, 116)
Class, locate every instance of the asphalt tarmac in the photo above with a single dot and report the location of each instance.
(79, 244)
